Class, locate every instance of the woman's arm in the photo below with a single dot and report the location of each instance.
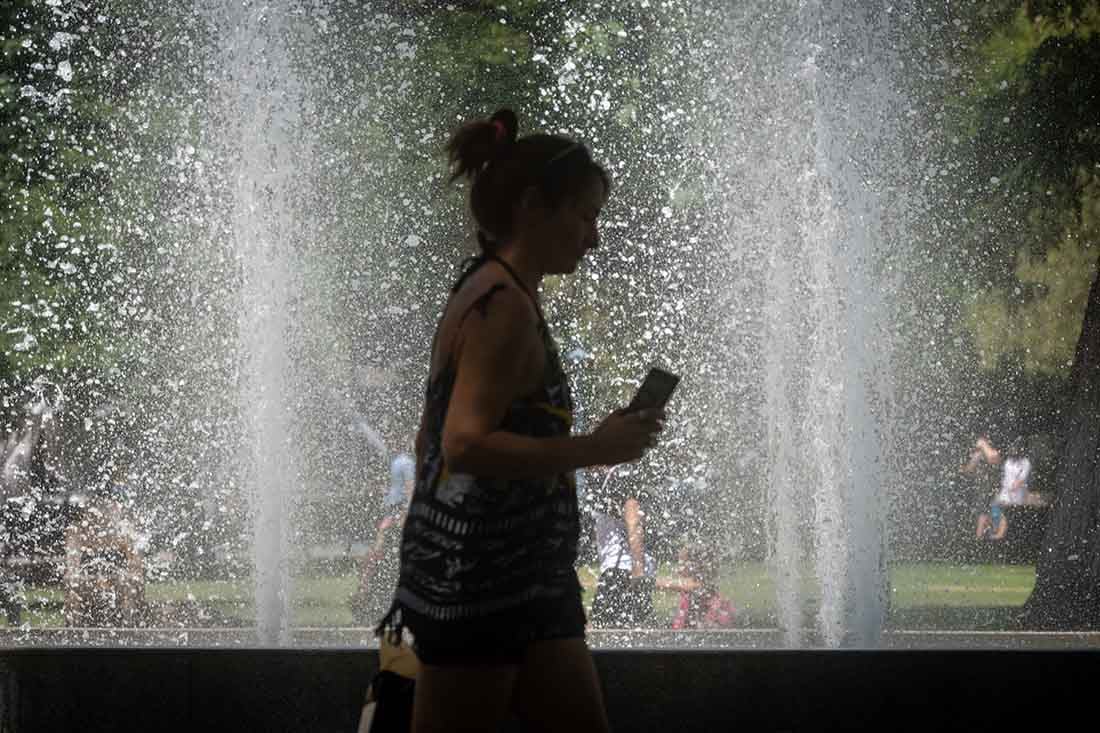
(682, 585)
(972, 464)
(72, 554)
(991, 454)
(634, 519)
(500, 359)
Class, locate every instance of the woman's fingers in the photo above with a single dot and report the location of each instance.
(629, 434)
(656, 414)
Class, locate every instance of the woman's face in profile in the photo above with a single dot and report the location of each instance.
(566, 233)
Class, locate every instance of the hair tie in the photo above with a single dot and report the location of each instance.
(501, 133)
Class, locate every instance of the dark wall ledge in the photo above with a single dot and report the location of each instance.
(321, 690)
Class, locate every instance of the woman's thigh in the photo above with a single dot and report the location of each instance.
(558, 689)
(462, 698)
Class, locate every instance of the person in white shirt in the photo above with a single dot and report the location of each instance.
(1014, 479)
(624, 591)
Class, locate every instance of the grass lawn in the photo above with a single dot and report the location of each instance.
(941, 585)
(921, 594)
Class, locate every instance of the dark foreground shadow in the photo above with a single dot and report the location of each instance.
(321, 690)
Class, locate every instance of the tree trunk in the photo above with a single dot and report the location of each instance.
(1067, 583)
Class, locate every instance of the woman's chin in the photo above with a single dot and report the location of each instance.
(565, 268)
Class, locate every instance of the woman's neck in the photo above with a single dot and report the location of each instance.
(523, 265)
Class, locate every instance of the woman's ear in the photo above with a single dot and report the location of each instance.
(531, 200)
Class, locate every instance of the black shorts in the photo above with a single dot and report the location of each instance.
(502, 638)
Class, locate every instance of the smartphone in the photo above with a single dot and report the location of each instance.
(656, 389)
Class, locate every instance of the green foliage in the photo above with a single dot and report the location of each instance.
(1031, 121)
(1038, 321)
(1033, 99)
(67, 70)
(49, 261)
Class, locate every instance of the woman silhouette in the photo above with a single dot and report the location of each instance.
(487, 584)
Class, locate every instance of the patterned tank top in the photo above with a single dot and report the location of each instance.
(474, 546)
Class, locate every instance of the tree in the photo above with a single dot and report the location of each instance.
(1067, 587)
(1036, 127)
(48, 255)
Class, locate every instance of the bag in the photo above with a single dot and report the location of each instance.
(389, 703)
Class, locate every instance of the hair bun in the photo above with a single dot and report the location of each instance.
(478, 143)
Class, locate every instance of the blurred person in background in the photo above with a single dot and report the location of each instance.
(701, 605)
(379, 565)
(624, 590)
(33, 506)
(984, 468)
(104, 575)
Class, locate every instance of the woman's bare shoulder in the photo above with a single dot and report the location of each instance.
(494, 299)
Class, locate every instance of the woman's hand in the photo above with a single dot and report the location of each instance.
(625, 436)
